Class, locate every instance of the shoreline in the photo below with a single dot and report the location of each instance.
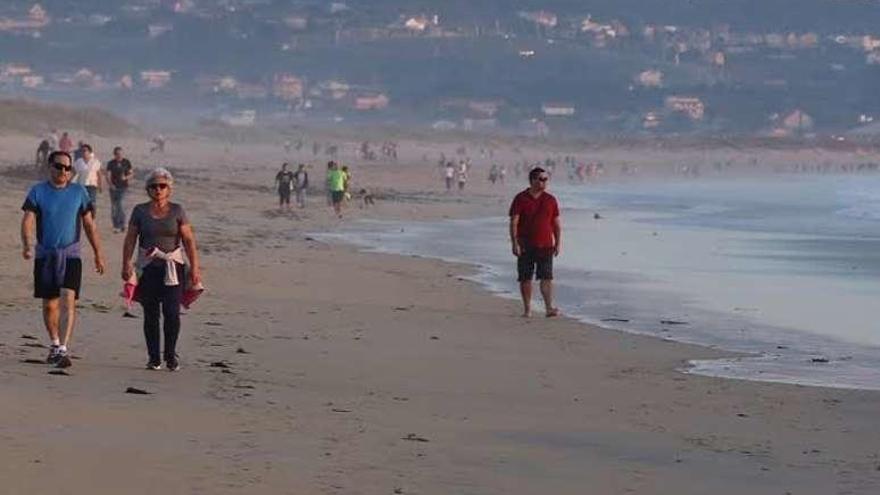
(476, 273)
(363, 373)
(745, 395)
(773, 354)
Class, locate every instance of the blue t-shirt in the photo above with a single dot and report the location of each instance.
(58, 212)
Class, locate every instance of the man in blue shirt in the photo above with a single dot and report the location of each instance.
(56, 211)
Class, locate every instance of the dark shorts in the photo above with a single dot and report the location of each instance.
(284, 194)
(337, 196)
(72, 279)
(535, 263)
(93, 194)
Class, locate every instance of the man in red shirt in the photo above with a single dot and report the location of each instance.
(535, 235)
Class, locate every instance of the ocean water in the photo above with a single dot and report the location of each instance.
(786, 270)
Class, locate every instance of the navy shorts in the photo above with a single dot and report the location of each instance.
(72, 279)
(535, 263)
(337, 196)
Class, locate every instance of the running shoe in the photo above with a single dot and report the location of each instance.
(154, 365)
(63, 360)
(172, 363)
(54, 354)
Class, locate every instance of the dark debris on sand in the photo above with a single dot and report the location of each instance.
(412, 437)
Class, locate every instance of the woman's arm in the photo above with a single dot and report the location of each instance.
(128, 245)
(192, 253)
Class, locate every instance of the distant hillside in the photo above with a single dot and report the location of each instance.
(831, 15)
(747, 63)
(821, 15)
(30, 117)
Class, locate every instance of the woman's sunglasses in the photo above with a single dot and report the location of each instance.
(157, 187)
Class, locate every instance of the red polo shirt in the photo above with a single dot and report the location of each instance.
(536, 216)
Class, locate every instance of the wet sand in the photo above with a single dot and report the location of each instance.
(314, 368)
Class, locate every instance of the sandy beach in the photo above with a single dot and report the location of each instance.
(313, 368)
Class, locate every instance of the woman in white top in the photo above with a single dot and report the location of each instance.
(462, 175)
(88, 173)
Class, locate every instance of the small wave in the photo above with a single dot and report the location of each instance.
(860, 201)
(708, 209)
(861, 212)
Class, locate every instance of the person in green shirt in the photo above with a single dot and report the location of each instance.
(336, 186)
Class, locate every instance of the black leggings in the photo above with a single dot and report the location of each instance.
(153, 293)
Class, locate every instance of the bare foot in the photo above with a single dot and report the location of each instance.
(552, 312)
(526, 314)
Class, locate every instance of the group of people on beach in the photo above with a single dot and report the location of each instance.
(89, 172)
(290, 182)
(453, 174)
(164, 274)
(577, 172)
(338, 183)
(387, 148)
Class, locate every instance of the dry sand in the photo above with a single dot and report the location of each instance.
(354, 373)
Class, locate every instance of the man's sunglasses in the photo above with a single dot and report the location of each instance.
(543, 179)
(157, 187)
(62, 167)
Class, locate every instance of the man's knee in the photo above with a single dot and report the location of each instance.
(68, 298)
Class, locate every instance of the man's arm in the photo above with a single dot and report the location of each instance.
(192, 253)
(557, 235)
(105, 172)
(28, 221)
(91, 230)
(100, 180)
(514, 236)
